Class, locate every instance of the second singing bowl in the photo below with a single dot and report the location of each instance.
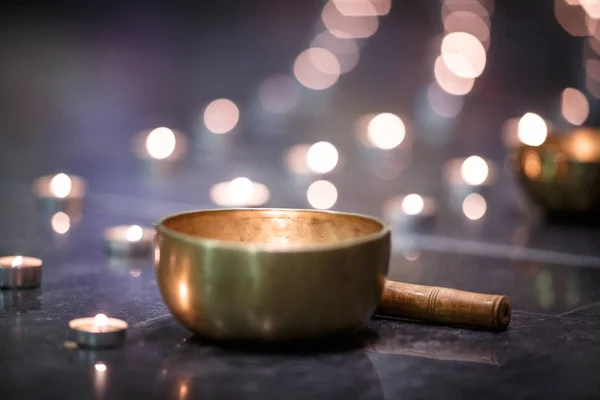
(562, 175)
(271, 274)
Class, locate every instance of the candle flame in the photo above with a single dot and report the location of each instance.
(240, 190)
(100, 320)
(134, 233)
(413, 204)
(17, 261)
(61, 185)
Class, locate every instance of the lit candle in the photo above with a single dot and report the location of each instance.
(240, 192)
(98, 331)
(18, 272)
(409, 210)
(129, 240)
(60, 186)
(60, 192)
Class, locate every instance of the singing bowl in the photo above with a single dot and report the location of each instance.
(562, 175)
(271, 274)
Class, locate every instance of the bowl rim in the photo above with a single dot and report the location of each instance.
(268, 248)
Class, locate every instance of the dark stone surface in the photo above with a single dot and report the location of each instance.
(74, 91)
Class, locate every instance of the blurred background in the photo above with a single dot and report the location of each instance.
(407, 110)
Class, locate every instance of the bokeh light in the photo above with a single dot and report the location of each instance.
(474, 170)
(463, 54)
(591, 7)
(346, 27)
(474, 206)
(510, 133)
(592, 68)
(279, 94)
(594, 43)
(442, 103)
(295, 159)
(449, 81)
(61, 223)
(412, 204)
(532, 164)
(60, 185)
(386, 131)
(355, 8)
(345, 50)
(383, 7)
(161, 143)
(221, 116)
(322, 157)
(571, 17)
(317, 68)
(482, 8)
(240, 190)
(134, 233)
(469, 22)
(574, 106)
(322, 195)
(532, 129)
(592, 77)
(584, 146)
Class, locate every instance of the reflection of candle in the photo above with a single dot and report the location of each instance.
(100, 367)
(322, 195)
(128, 240)
(240, 192)
(410, 209)
(474, 206)
(61, 223)
(18, 272)
(98, 331)
(59, 187)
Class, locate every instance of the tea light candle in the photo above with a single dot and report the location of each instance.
(129, 240)
(410, 209)
(98, 331)
(240, 192)
(59, 187)
(18, 272)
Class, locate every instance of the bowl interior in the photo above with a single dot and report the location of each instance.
(274, 226)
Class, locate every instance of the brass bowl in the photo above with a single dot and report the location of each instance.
(562, 175)
(271, 274)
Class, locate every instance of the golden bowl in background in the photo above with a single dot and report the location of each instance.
(271, 274)
(562, 175)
